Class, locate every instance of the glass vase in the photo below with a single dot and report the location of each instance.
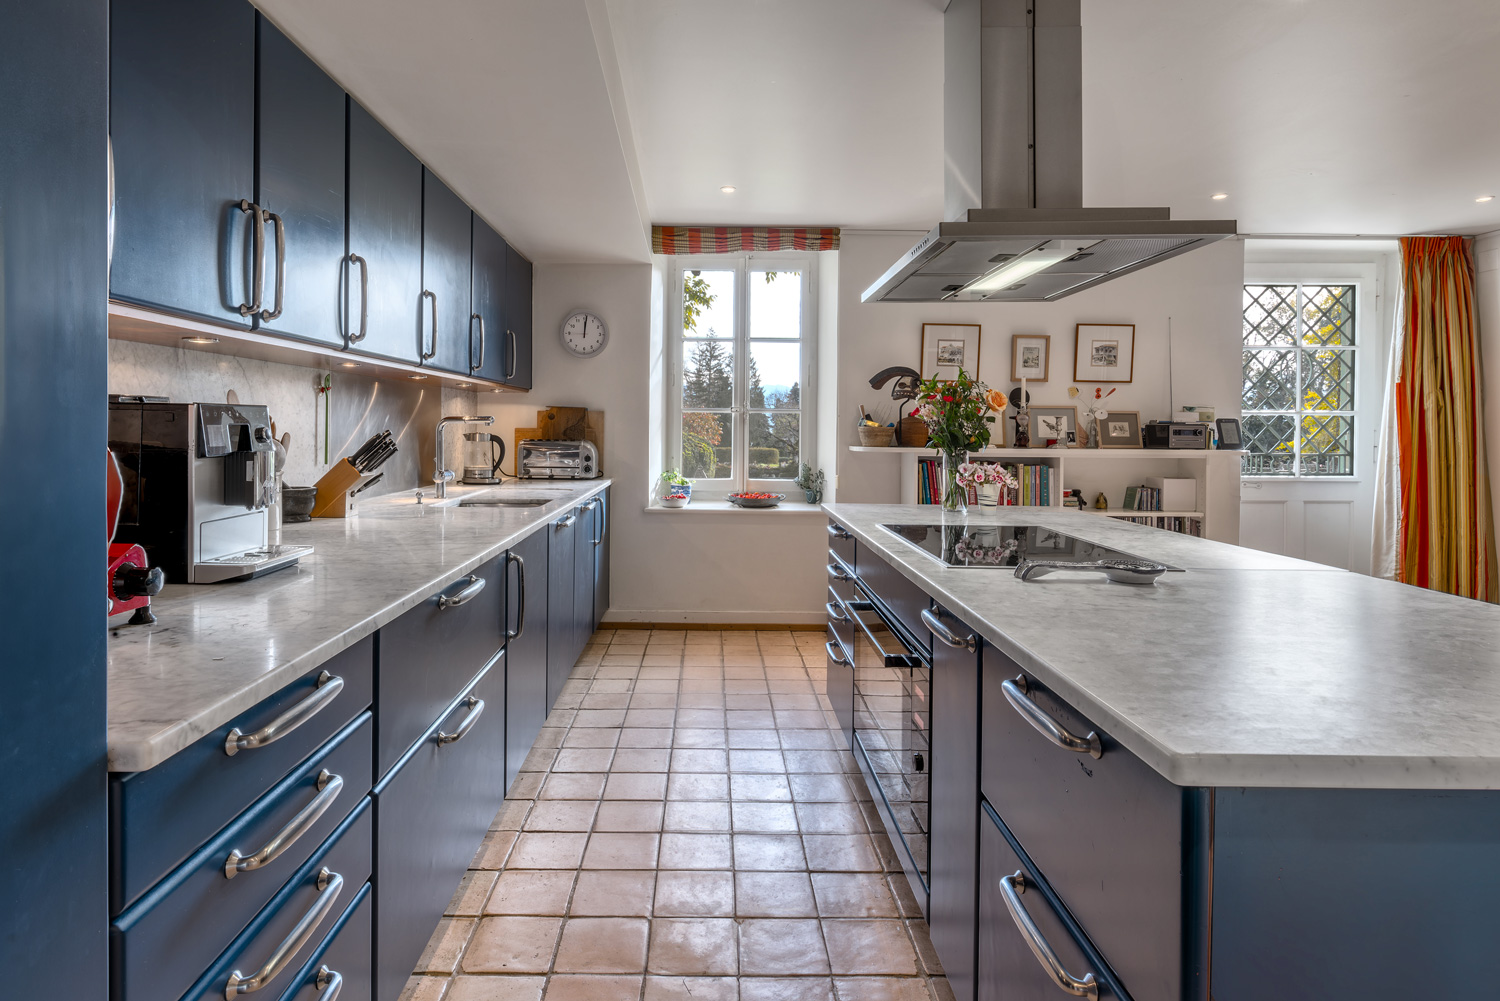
(955, 495)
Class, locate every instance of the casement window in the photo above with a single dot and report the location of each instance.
(740, 350)
(1298, 406)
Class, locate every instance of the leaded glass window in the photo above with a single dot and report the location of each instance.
(1298, 397)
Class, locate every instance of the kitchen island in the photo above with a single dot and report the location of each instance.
(1256, 777)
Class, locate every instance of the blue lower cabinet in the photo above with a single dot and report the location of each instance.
(267, 954)
(431, 814)
(342, 962)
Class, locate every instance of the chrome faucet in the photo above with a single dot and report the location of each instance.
(440, 475)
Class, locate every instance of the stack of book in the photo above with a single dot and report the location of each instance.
(1035, 483)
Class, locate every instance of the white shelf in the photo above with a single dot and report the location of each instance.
(1200, 454)
(1123, 513)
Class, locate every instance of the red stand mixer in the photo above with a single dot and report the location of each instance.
(131, 582)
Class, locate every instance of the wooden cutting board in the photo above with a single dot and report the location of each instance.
(562, 423)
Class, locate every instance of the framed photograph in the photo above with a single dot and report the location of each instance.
(1121, 429)
(1104, 352)
(1060, 423)
(1229, 432)
(1030, 357)
(1049, 541)
(948, 347)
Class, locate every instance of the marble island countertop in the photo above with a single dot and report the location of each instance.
(1249, 669)
(218, 649)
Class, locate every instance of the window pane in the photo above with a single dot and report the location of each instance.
(775, 375)
(775, 446)
(1270, 314)
(708, 303)
(1268, 442)
(1328, 314)
(707, 374)
(1270, 380)
(1328, 380)
(775, 303)
(1327, 446)
(707, 445)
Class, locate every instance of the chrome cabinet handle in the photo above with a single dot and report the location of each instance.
(473, 365)
(468, 594)
(837, 658)
(1011, 888)
(835, 611)
(510, 371)
(329, 786)
(838, 532)
(566, 522)
(271, 314)
(603, 521)
(330, 884)
(476, 709)
(520, 596)
(364, 298)
(1015, 694)
(258, 269)
(330, 981)
(329, 686)
(429, 294)
(837, 572)
(947, 636)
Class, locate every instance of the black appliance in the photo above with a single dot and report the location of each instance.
(1174, 434)
(978, 545)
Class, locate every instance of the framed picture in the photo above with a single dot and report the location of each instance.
(1060, 423)
(1229, 432)
(1121, 429)
(1049, 541)
(948, 347)
(1104, 352)
(1030, 357)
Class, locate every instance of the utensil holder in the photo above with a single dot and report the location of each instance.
(333, 499)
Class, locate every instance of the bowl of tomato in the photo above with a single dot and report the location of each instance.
(756, 499)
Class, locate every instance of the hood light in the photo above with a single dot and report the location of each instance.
(728, 189)
(200, 339)
(1023, 266)
(1485, 198)
(1220, 196)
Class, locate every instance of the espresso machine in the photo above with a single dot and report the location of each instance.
(198, 482)
(483, 454)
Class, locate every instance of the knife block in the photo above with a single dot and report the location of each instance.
(334, 498)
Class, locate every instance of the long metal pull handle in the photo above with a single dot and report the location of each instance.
(947, 636)
(364, 298)
(271, 314)
(329, 686)
(1011, 888)
(1123, 571)
(837, 572)
(476, 709)
(328, 983)
(330, 884)
(836, 657)
(329, 786)
(603, 521)
(429, 294)
(473, 365)
(258, 269)
(1034, 714)
(510, 370)
(520, 596)
(838, 532)
(468, 594)
(835, 611)
(566, 522)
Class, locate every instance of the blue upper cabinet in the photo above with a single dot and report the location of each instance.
(518, 315)
(387, 314)
(495, 351)
(182, 118)
(300, 124)
(446, 238)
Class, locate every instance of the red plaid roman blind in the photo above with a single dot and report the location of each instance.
(736, 239)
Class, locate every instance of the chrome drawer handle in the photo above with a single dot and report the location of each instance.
(330, 884)
(428, 355)
(468, 594)
(947, 636)
(364, 299)
(511, 557)
(837, 572)
(271, 314)
(473, 365)
(258, 270)
(330, 981)
(838, 532)
(1011, 887)
(329, 686)
(1015, 694)
(476, 709)
(329, 786)
(838, 657)
(566, 522)
(835, 611)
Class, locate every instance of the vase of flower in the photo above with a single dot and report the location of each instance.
(955, 492)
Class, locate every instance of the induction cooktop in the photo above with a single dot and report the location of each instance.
(969, 546)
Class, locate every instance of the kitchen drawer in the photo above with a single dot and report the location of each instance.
(319, 891)
(840, 577)
(1009, 969)
(841, 543)
(430, 653)
(839, 621)
(1106, 832)
(431, 814)
(163, 942)
(344, 958)
(159, 817)
(839, 682)
(900, 596)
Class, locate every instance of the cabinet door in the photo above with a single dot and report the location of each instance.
(182, 119)
(385, 232)
(494, 349)
(301, 180)
(446, 223)
(518, 315)
(601, 558)
(583, 575)
(562, 543)
(526, 702)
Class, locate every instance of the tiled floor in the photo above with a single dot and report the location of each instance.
(687, 827)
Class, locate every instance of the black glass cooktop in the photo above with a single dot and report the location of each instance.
(1002, 545)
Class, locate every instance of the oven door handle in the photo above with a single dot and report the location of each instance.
(902, 659)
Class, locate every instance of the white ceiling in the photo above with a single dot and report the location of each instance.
(572, 125)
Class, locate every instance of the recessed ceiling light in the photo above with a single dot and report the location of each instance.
(200, 339)
(464, 385)
(1219, 197)
(349, 364)
(1485, 198)
(728, 189)
(417, 378)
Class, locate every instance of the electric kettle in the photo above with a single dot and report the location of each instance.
(483, 454)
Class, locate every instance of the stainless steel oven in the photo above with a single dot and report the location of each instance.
(892, 737)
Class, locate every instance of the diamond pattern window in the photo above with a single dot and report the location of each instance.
(1298, 397)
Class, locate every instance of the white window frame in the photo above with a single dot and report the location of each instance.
(742, 264)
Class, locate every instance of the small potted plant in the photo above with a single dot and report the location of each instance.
(676, 489)
(811, 483)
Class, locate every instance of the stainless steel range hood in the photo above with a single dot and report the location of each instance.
(1013, 141)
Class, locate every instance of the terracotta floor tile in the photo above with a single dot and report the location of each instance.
(841, 853)
(647, 700)
(694, 894)
(869, 947)
(609, 893)
(757, 700)
(709, 718)
(754, 739)
(599, 717)
(531, 891)
(539, 850)
(621, 851)
(786, 989)
(584, 759)
(604, 700)
(420, 988)
(650, 685)
(688, 736)
(882, 989)
(764, 818)
(768, 851)
(591, 737)
(691, 989)
(628, 815)
(926, 953)
(603, 945)
(562, 815)
(773, 895)
(650, 717)
(830, 818)
(609, 685)
(639, 736)
(693, 947)
(694, 759)
(696, 851)
(743, 760)
(820, 789)
(813, 761)
(473, 889)
(525, 786)
(592, 987)
(446, 945)
(573, 785)
(780, 947)
(494, 849)
(764, 788)
(636, 785)
(690, 786)
(496, 989)
(512, 945)
(854, 895)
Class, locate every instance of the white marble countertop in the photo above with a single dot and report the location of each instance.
(217, 649)
(1249, 669)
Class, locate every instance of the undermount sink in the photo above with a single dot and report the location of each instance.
(504, 501)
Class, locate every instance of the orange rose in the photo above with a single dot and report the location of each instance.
(996, 399)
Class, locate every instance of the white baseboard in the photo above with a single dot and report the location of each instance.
(693, 617)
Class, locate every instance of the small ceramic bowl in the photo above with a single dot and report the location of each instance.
(674, 501)
(297, 504)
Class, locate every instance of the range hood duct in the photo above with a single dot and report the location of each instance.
(1016, 229)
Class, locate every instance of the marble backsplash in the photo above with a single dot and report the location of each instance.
(357, 406)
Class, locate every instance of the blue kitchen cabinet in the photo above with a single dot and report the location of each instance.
(526, 618)
(562, 622)
(518, 316)
(384, 271)
(494, 351)
(342, 960)
(182, 120)
(585, 554)
(601, 558)
(447, 236)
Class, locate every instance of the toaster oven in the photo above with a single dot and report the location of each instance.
(557, 460)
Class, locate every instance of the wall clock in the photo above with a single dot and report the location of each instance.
(584, 334)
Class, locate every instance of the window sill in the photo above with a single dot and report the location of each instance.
(717, 507)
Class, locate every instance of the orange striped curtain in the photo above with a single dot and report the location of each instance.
(736, 239)
(1446, 539)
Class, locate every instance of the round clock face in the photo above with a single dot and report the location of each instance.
(584, 334)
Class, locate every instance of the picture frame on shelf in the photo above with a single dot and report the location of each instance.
(948, 347)
(1104, 352)
(1120, 429)
(1030, 357)
(1229, 433)
(1043, 424)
